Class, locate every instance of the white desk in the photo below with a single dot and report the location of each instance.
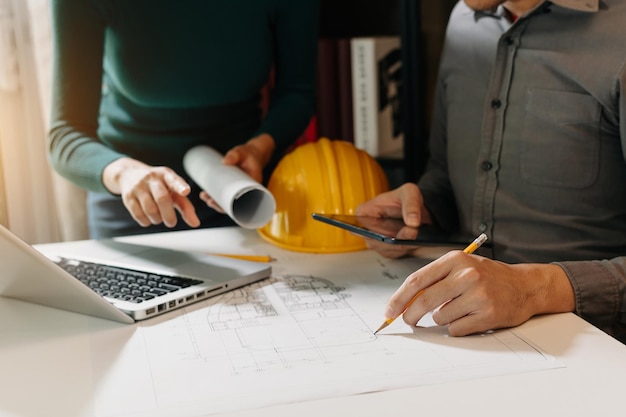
(45, 361)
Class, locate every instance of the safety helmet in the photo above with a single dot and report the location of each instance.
(330, 177)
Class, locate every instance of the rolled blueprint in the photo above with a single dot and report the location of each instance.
(246, 201)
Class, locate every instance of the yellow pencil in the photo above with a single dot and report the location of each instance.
(251, 258)
(469, 249)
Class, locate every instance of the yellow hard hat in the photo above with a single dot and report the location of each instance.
(331, 177)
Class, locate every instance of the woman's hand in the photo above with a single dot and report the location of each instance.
(152, 195)
(250, 157)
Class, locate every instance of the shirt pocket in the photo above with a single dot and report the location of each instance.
(560, 139)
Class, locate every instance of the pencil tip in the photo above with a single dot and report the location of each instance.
(382, 326)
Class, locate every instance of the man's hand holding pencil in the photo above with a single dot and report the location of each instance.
(468, 293)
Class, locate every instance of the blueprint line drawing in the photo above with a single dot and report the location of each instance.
(296, 338)
(286, 321)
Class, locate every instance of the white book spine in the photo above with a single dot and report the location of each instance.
(376, 70)
(364, 95)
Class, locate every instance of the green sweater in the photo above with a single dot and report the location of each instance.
(151, 78)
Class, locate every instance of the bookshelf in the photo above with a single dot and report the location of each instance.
(348, 18)
(414, 115)
(421, 27)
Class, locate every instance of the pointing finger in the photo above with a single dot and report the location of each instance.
(176, 184)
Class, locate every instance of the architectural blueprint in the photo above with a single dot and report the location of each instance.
(306, 333)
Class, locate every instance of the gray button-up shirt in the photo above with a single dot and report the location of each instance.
(528, 143)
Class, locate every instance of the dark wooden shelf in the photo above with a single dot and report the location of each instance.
(421, 26)
(415, 143)
(350, 18)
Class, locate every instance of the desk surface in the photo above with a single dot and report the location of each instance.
(45, 356)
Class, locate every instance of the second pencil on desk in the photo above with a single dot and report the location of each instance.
(244, 257)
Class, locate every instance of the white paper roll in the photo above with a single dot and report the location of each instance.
(246, 201)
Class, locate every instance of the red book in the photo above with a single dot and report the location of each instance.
(327, 98)
(344, 72)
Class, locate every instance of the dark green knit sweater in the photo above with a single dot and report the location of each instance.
(152, 78)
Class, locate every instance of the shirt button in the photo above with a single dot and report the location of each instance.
(509, 40)
(486, 165)
(496, 103)
(482, 227)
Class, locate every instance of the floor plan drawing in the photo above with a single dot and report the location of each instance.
(298, 337)
(279, 323)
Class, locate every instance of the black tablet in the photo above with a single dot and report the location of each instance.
(388, 230)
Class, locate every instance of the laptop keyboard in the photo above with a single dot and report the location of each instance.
(123, 283)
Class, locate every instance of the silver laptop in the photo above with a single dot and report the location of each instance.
(115, 280)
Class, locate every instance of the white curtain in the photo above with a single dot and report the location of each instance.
(39, 205)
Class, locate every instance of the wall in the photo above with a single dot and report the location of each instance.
(35, 203)
(68, 200)
(28, 191)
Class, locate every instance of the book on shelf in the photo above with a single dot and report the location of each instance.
(344, 73)
(376, 91)
(327, 80)
(334, 89)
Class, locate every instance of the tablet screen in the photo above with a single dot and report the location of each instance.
(391, 230)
